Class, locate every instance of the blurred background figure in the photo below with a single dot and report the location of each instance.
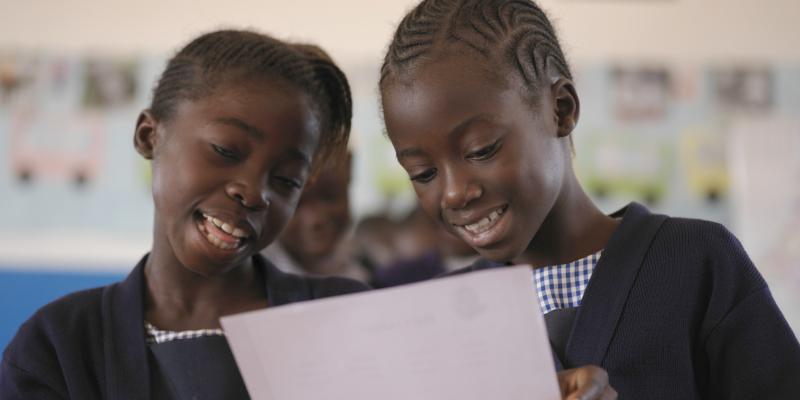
(315, 241)
(411, 250)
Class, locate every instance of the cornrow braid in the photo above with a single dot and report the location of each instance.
(197, 69)
(514, 33)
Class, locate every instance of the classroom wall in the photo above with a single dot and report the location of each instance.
(593, 29)
(681, 32)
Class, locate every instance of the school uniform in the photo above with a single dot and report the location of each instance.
(675, 309)
(92, 345)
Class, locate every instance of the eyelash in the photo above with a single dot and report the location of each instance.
(484, 153)
(226, 153)
(290, 183)
(425, 176)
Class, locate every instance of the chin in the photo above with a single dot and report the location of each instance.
(501, 255)
(503, 252)
(209, 267)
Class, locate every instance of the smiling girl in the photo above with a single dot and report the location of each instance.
(480, 106)
(238, 123)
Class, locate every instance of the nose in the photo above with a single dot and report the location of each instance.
(459, 191)
(251, 196)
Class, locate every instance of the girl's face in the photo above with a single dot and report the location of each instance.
(228, 170)
(484, 161)
(322, 216)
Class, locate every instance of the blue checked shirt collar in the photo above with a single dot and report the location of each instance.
(562, 286)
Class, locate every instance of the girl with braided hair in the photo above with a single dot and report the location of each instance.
(238, 124)
(480, 105)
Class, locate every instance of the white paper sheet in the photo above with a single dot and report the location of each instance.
(474, 336)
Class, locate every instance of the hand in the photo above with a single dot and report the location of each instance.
(585, 383)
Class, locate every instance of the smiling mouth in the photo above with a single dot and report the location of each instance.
(221, 234)
(485, 223)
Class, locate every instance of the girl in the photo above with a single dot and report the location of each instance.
(238, 123)
(480, 106)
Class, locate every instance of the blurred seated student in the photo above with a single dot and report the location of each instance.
(425, 251)
(373, 241)
(315, 241)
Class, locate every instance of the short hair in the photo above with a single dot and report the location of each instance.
(515, 33)
(209, 59)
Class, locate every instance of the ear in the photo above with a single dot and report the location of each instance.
(566, 105)
(144, 137)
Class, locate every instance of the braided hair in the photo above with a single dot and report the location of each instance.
(507, 33)
(197, 69)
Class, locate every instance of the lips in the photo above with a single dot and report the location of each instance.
(486, 222)
(484, 230)
(222, 233)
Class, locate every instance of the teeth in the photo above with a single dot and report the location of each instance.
(228, 228)
(239, 233)
(485, 222)
(216, 242)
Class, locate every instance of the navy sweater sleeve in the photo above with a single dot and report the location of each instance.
(18, 384)
(751, 350)
(52, 344)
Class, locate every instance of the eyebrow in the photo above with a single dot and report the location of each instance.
(457, 130)
(251, 130)
(259, 135)
(410, 152)
(299, 155)
(463, 125)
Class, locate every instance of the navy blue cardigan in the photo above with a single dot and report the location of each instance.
(91, 344)
(675, 309)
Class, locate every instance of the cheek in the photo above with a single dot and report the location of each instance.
(179, 178)
(302, 220)
(429, 197)
(167, 188)
(532, 175)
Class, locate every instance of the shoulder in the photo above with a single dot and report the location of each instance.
(709, 261)
(58, 321)
(58, 328)
(708, 242)
(677, 241)
(712, 233)
(695, 243)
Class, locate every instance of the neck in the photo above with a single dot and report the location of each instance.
(179, 298)
(574, 228)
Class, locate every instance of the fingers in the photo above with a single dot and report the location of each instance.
(609, 394)
(595, 393)
(586, 383)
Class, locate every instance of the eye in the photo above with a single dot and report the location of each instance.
(224, 152)
(484, 153)
(425, 176)
(289, 183)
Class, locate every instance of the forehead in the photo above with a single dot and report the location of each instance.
(440, 94)
(265, 109)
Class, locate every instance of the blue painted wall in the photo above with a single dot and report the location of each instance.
(23, 292)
